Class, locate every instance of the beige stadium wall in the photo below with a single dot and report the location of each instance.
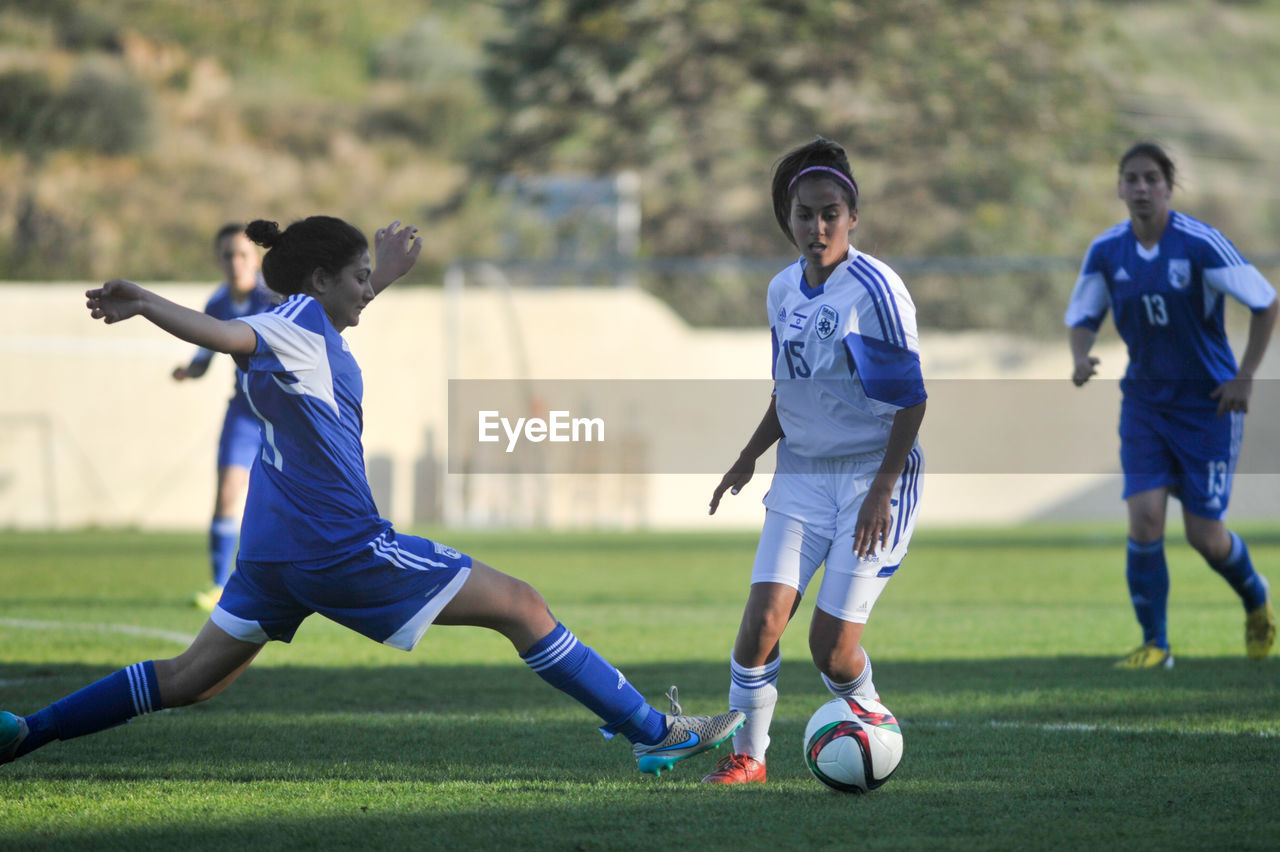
(94, 432)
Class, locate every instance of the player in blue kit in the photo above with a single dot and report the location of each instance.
(312, 539)
(242, 293)
(1164, 274)
(845, 413)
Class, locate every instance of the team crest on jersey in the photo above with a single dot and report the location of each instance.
(1179, 274)
(825, 324)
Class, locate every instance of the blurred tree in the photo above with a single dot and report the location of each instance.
(946, 109)
(102, 109)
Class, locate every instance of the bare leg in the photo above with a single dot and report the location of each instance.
(210, 665)
(1147, 514)
(769, 609)
(754, 670)
(836, 647)
(232, 481)
(1208, 536)
(500, 602)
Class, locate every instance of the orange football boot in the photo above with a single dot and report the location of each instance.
(737, 769)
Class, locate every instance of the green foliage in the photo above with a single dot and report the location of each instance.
(102, 110)
(1019, 734)
(943, 107)
(976, 129)
(76, 26)
(26, 99)
(105, 111)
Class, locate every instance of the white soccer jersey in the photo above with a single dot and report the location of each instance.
(846, 356)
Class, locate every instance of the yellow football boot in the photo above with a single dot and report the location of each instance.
(1259, 631)
(1147, 656)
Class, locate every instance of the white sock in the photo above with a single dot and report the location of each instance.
(861, 686)
(754, 691)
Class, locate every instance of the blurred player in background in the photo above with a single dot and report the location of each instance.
(847, 406)
(242, 293)
(312, 539)
(1164, 275)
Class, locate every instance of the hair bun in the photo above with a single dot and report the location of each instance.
(264, 233)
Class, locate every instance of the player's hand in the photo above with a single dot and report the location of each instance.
(733, 481)
(875, 519)
(180, 373)
(395, 250)
(1233, 395)
(1085, 369)
(115, 300)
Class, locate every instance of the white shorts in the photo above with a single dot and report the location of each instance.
(812, 512)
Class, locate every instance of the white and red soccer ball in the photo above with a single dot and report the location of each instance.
(852, 744)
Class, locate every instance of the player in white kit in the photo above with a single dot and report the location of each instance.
(846, 410)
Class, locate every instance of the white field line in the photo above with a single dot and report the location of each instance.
(127, 629)
(1085, 727)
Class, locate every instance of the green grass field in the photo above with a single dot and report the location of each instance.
(994, 649)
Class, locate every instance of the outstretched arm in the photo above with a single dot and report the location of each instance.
(394, 253)
(119, 299)
(766, 434)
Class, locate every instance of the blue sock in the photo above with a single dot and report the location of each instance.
(1148, 576)
(223, 536)
(578, 671)
(112, 701)
(1238, 570)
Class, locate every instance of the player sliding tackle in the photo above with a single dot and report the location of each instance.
(312, 540)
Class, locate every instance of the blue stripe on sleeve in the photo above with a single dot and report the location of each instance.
(885, 331)
(882, 297)
(889, 373)
(883, 284)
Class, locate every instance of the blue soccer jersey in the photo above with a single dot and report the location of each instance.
(222, 306)
(1168, 307)
(845, 356)
(309, 496)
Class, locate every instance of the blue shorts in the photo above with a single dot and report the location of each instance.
(1192, 452)
(390, 591)
(241, 441)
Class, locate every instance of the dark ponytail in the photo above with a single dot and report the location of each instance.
(264, 233)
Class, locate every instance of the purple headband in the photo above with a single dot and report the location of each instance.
(835, 172)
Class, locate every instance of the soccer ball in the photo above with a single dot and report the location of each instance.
(852, 744)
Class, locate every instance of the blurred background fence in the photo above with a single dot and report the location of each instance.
(94, 432)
